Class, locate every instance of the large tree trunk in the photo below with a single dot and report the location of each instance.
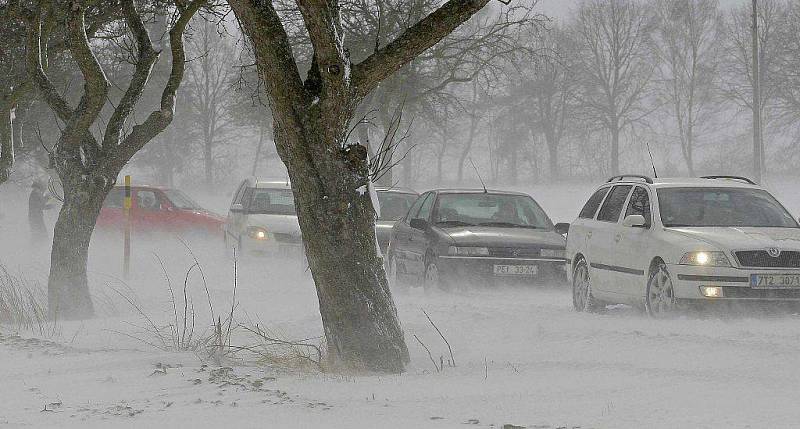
(68, 287)
(337, 220)
(552, 150)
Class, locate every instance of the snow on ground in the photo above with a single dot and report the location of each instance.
(523, 357)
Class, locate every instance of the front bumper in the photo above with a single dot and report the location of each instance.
(734, 282)
(272, 248)
(480, 269)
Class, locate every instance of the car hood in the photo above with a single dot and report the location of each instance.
(206, 214)
(286, 224)
(737, 238)
(504, 237)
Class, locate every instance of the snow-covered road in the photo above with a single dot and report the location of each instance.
(523, 358)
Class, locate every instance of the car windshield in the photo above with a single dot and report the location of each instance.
(180, 200)
(394, 205)
(722, 207)
(486, 209)
(271, 201)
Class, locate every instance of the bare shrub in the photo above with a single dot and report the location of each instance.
(23, 304)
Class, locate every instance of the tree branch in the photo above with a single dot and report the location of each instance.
(158, 120)
(146, 57)
(35, 59)
(273, 51)
(424, 34)
(95, 83)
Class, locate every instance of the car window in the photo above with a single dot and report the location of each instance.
(147, 200)
(593, 204)
(412, 212)
(270, 201)
(394, 205)
(115, 198)
(425, 210)
(639, 205)
(612, 207)
(722, 207)
(487, 209)
(180, 200)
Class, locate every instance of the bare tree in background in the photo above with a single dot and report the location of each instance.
(88, 166)
(687, 44)
(330, 178)
(550, 87)
(737, 69)
(208, 88)
(613, 38)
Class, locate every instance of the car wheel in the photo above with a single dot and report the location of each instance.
(432, 279)
(659, 300)
(391, 274)
(582, 298)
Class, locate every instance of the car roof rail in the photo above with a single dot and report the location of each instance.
(740, 178)
(647, 179)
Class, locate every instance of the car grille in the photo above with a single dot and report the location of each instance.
(747, 293)
(287, 238)
(514, 252)
(760, 258)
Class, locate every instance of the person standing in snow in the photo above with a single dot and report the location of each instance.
(37, 204)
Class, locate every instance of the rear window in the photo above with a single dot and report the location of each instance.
(269, 201)
(612, 207)
(395, 205)
(593, 204)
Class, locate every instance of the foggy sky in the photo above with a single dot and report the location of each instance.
(560, 8)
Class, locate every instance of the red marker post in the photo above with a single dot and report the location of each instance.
(126, 261)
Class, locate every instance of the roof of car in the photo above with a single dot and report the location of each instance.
(396, 189)
(692, 182)
(476, 191)
(256, 182)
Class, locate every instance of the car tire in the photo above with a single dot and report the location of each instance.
(395, 283)
(582, 298)
(659, 299)
(432, 278)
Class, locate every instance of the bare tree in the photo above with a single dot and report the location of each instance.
(686, 43)
(613, 37)
(550, 86)
(330, 178)
(208, 88)
(88, 166)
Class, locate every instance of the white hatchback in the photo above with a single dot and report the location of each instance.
(661, 243)
(262, 219)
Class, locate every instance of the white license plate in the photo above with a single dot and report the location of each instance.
(774, 281)
(516, 270)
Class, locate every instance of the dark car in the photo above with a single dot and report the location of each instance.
(394, 203)
(452, 237)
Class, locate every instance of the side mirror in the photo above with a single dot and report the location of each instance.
(634, 221)
(237, 208)
(562, 228)
(420, 224)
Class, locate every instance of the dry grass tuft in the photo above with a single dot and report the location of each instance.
(23, 304)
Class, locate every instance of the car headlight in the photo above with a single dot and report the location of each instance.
(467, 251)
(258, 233)
(553, 253)
(706, 259)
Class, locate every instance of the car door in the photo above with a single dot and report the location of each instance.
(419, 238)
(602, 262)
(402, 240)
(631, 246)
(148, 218)
(581, 231)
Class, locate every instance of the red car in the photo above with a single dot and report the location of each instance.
(156, 210)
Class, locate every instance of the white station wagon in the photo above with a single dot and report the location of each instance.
(262, 219)
(663, 243)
